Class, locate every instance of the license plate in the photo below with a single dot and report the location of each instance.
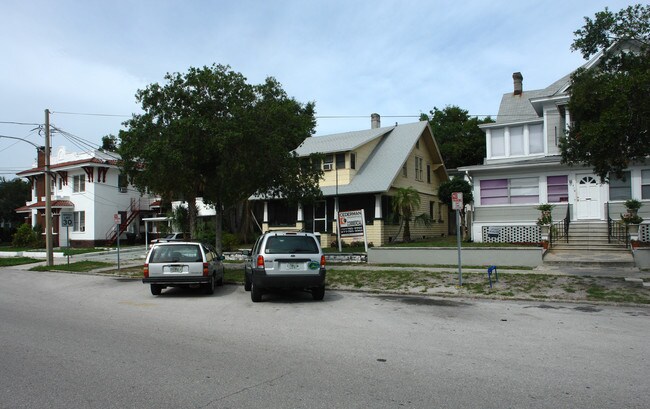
(292, 266)
(175, 269)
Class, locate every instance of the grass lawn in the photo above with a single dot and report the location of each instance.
(16, 261)
(78, 267)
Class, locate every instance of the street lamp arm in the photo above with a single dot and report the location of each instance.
(20, 139)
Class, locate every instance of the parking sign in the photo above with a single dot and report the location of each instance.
(457, 200)
(66, 219)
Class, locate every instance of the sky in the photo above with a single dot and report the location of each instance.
(85, 60)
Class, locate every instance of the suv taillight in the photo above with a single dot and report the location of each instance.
(260, 261)
(145, 271)
(206, 270)
(322, 261)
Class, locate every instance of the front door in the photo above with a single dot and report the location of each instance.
(587, 197)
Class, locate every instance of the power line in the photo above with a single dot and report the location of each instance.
(90, 114)
(19, 123)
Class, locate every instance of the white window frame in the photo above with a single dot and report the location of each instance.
(79, 183)
(79, 221)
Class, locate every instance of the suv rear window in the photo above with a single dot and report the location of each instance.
(174, 253)
(291, 244)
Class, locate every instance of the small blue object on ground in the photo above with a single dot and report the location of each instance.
(496, 274)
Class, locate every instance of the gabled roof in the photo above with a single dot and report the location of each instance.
(341, 142)
(384, 163)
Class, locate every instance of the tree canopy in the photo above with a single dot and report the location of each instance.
(13, 194)
(208, 133)
(610, 102)
(460, 140)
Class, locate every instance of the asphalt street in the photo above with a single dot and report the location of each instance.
(84, 341)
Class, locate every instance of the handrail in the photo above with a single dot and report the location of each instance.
(560, 230)
(616, 230)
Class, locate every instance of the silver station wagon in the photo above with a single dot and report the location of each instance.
(183, 264)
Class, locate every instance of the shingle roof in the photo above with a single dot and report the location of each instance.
(384, 163)
(41, 205)
(341, 142)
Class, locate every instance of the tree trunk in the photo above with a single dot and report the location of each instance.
(407, 230)
(191, 214)
(218, 227)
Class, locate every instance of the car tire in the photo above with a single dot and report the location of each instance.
(209, 287)
(256, 293)
(156, 289)
(318, 293)
(247, 284)
(220, 280)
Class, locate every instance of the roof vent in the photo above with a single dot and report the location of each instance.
(517, 78)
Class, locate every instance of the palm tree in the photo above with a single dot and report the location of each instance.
(404, 204)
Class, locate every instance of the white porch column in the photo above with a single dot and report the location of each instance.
(300, 217)
(265, 219)
(378, 214)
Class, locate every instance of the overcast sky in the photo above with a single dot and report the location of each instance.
(352, 58)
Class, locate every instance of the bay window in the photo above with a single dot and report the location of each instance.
(509, 191)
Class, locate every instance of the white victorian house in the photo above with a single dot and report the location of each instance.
(523, 169)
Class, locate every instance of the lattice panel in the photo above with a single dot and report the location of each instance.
(644, 232)
(511, 234)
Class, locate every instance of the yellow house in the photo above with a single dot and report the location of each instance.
(362, 170)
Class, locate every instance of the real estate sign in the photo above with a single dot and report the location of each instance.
(351, 223)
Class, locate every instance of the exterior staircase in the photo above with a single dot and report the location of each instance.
(588, 246)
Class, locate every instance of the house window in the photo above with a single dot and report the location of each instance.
(122, 183)
(536, 138)
(353, 161)
(418, 168)
(417, 144)
(432, 206)
(428, 173)
(645, 184)
(517, 140)
(79, 183)
(340, 161)
(328, 162)
(498, 142)
(509, 191)
(557, 189)
(620, 189)
(405, 170)
(60, 183)
(79, 221)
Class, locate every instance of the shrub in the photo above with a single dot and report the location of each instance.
(25, 236)
(229, 241)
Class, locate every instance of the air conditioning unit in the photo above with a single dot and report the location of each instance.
(327, 166)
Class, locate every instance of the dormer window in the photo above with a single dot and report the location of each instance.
(353, 160)
(498, 142)
(340, 161)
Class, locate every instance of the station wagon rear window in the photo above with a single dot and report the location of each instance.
(176, 253)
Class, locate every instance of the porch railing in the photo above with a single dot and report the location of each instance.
(616, 231)
(560, 229)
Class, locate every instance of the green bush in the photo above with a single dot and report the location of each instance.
(25, 236)
(229, 241)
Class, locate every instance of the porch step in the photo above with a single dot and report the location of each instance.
(590, 258)
(588, 246)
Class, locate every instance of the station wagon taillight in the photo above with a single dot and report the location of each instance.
(206, 270)
(322, 261)
(145, 271)
(260, 261)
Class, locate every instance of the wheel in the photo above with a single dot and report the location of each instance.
(220, 280)
(156, 289)
(318, 293)
(209, 287)
(256, 293)
(247, 284)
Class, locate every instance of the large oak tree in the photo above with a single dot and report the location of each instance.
(610, 102)
(209, 133)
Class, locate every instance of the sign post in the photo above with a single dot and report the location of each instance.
(457, 205)
(117, 218)
(67, 221)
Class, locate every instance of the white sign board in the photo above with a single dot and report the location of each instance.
(351, 223)
(117, 218)
(66, 219)
(457, 200)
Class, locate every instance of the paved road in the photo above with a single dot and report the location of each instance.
(80, 341)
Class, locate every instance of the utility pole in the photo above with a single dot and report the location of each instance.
(48, 193)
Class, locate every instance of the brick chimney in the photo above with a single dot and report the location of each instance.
(375, 121)
(517, 78)
(40, 158)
